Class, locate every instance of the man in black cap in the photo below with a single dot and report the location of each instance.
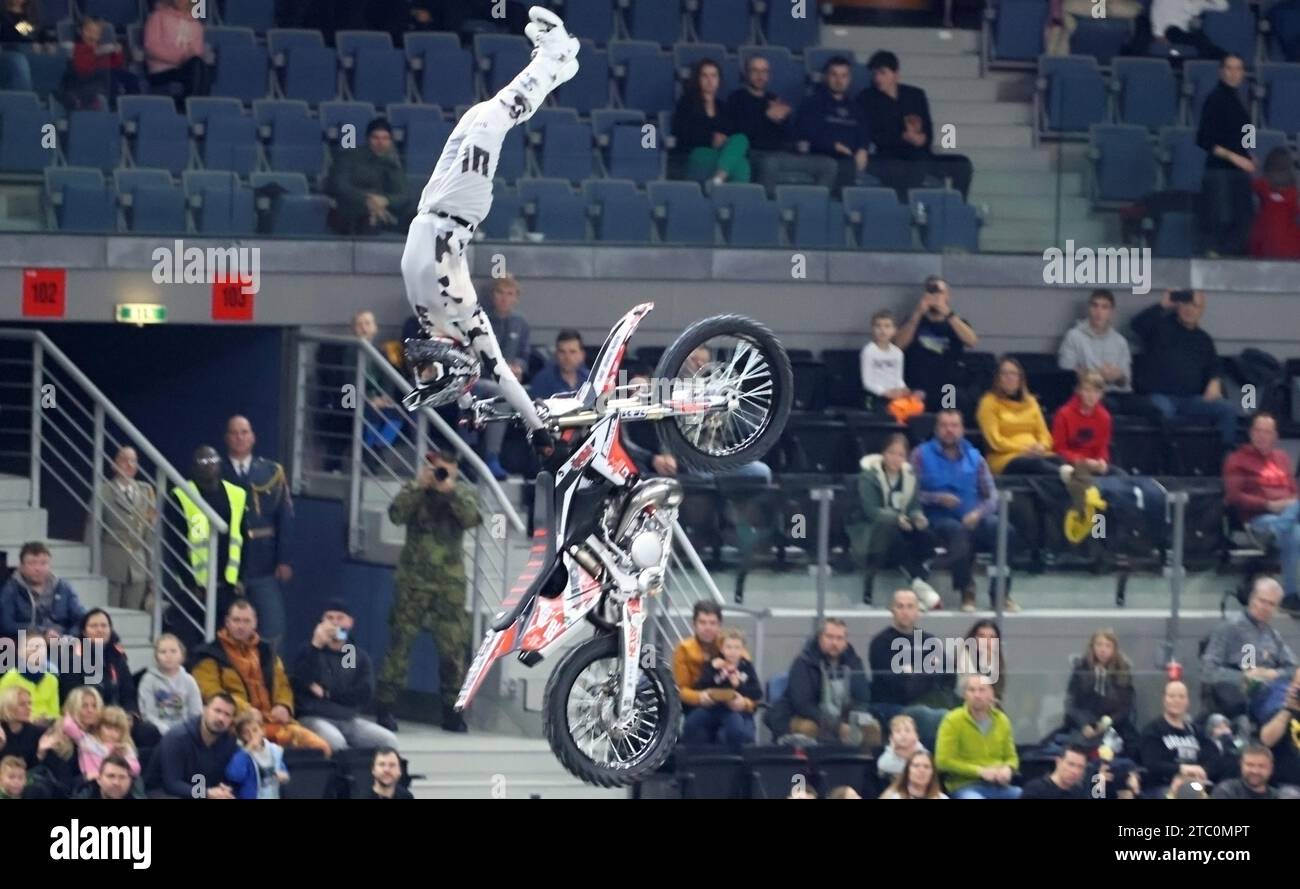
(899, 118)
(369, 185)
(333, 681)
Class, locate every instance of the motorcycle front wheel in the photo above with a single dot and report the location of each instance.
(578, 716)
(741, 361)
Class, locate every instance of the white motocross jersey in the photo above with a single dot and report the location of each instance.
(461, 183)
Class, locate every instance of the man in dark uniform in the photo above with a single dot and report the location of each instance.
(264, 568)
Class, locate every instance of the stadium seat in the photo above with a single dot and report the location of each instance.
(94, 140)
(1101, 38)
(622, 50)
(1175, 236)
(349, 43)
(589, 88)
(162, 138)
(558, 212)
(445, 71)
(603, 120)
(1234, 30)
(1280, 82)
(514, 157)
(878, 220)
(1017, 32)
(781, 28)
(280, 40)
(1123, 162)
(82, 201)
(259, 15)
(200, 109)
(152, 202)
(685, 215)
(379, 75)
(787, 79)
(544, 116)
(945, 220)
(659, 22)
(420, 132)
(589, 20)
(620, 213)
(310, 74)
(842, 767)
(292, 135)
(230, 143)
(21, 149)
(222, 38)
(506, 209)
(724, 21)
(687, 55)
(241, 73)
(500, 57)
(707, 773)
(809, 384)
(295, 211)
(649, 82)
(47, 70)
(748, 218)
(1183, 159)
(629, 158)
(222, 204)
(336, 115)
(1146, 92)
(566, 151)
(18, 100)
(806, 210)
(823, 445)
(1200, 76)
(843, 378)
(1071, 95)
(119, 12)
(1265, 142)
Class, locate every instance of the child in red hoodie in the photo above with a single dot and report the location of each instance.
(97, 71)
(1276, 233)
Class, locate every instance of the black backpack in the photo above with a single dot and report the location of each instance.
(1255, 367)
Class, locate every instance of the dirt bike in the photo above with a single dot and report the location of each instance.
(720, 397)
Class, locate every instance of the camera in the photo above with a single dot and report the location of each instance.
(1181, 296)
(441, 474)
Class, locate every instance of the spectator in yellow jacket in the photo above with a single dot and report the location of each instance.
(34, 676)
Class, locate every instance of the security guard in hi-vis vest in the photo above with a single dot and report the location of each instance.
(264, 568)
(229, 502)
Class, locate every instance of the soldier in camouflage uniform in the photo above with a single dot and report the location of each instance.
(430, 584)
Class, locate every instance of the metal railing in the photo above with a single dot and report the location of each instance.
(59, 427)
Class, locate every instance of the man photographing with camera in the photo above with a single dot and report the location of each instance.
(933, 339)
(429, 588)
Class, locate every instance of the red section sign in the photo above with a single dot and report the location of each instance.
(230, 301)
(44, 293)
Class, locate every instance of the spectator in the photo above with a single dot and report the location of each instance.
(35, 677)
(265, 758)
(894, 530)
(334, 680)
(1256, 771)
(18, 736)
(707, 141)
(1245, 652)
(109, 735)
(903, 134)
(730, 685)
(512, 332)
(844, 791)
(126, 537)
(1278, 714)
(903, 742)
(982, 653)
(767, 120)
(976, 750)
(1101, 687)
(1094, 345)
(109, 674)
(243, 666)
(828, 694)
(960, 500)
(693, 655)
(195, 756)
(1118, 779)
(13, 777)
(386, 770)
(1275, 233)
(567, 372)
(1177, 22)
(116, 780)
(918, 779)
(830, 124)
(264, 567)
(1183, 787)
(97, 74)
(882, 373)
(1172, 745)
(1259, 485)
(1225, 208)
(174, 52)
(429, 588)
(933, 339)
(168, 696)
(22, 31)
(35, 600)
(1065, 781)
(49, 754)
(1182, 366)
(369, 186)
(897, 685)
(1063, 15)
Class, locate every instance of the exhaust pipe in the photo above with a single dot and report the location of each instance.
(660, 492)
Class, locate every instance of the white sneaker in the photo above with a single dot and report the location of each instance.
(551, 41)
(929, 597)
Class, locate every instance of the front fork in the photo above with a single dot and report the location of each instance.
(631, 626)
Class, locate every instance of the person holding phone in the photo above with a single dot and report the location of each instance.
(429, 588)
(933, 339)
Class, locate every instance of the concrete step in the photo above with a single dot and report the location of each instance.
(1000, 160)
(902, 41)
(67, 556)
(988, 113)
(974, 135)
(92, 589)
(992, 184)
(922, 65)
(15, 489)
(139, 655)
(992, 88)
(134, 627)
(22, 521)
(1033, 207)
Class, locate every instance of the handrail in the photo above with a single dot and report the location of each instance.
(467, 453)
(112, 412)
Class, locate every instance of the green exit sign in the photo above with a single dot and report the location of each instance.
(141, 313)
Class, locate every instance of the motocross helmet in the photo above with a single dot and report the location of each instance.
(444, 369)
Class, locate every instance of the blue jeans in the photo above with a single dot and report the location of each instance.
(1219, 413)
(1117, 486)
(962, 543)
(268, 598)
(985, 790)
(719, 724)
(1283, 529)
(755, 472)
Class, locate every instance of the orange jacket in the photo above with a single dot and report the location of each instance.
(249, 672)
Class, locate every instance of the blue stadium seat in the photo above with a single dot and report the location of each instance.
(222, 38)
(1018, 30)
(47, 70)
(19, 100)
(258, 15)
(806, 210)
(119, 12)
(230, 143)
(1100, 38)
(1200, 76)
(1124, 163)
(222, 204)
(949, 222)
(445, 70)
(622, 50)
(310, 74)
(545, 116)
(241, 73)
(506, 208)
(879, 221)
(1234, 30)
(200, 109)
(566, 151)
(94, 140)
(622, 213)
(781, 28)
(1147, 93)
(379, 75)
(514, 157)
(628, 158)
(336, 115)
(293, 136)
(558, 212)
(420, 132)
(724, 21)
(603, 120)
(659, 22)
(589, 88)
(649, 83)
(1183, 159)
(685, 214)
(153, 203)
(348, 43)
(1071, 94)
(57, 10)
(21, 137)
(589, 20)
(1280, 82)
(280, 40)
(296, 211)
(132, 108)
(1265, 142)
(687, 55)
(748, 218)
(162, 139)
(82, 201)
(1175, 236)
(500, 57)
(787, 79)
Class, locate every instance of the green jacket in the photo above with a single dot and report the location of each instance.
(357, 172)
(435, 526)
(875, 512)
(962, 750)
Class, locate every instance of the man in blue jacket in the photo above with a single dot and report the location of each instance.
(193, 757)
(35, 600)
(831, 124)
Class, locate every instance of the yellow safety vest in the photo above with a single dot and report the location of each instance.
(200, 530)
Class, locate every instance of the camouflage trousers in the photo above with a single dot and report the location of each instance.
(440, 611)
